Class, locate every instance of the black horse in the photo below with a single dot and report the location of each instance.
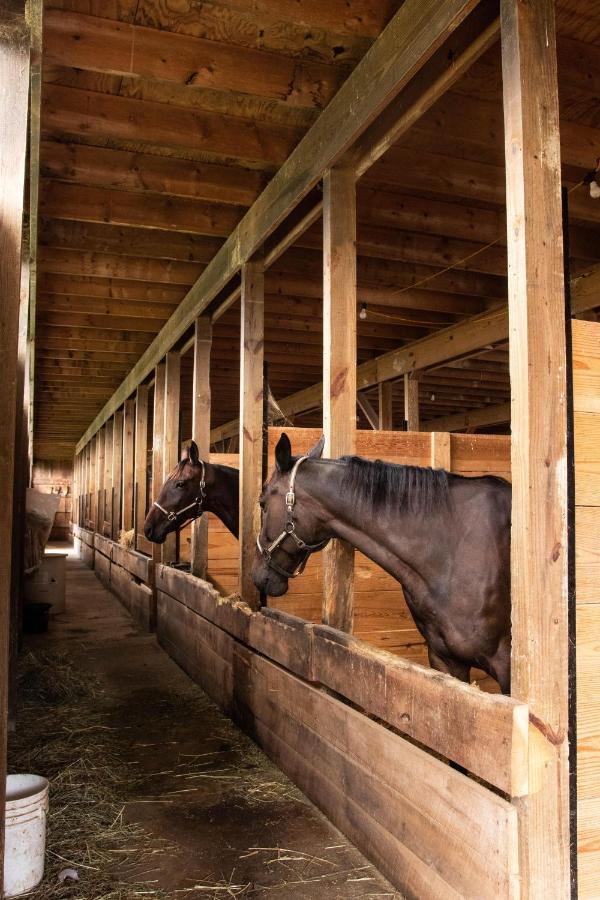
(193, 487)
(444, 537)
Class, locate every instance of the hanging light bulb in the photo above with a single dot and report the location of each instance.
(363, 311)
(592, 178)
(432, 398)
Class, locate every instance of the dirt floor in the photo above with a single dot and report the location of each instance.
(154, 792)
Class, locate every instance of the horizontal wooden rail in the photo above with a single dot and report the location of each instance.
(485, 733)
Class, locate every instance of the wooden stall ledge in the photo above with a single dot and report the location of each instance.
(485, 733)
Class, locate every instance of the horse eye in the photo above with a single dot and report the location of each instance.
(180, 484)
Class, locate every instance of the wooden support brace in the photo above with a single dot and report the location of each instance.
(171, 434)
(441, 450)
(158, 424)
(128, 463)
(251, 406)
(411, 401)
(117, 474)
(141, 451)
(539, 563)
(201, 432)
(371, 416)
(339, 372)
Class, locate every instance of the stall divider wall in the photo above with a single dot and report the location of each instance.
(586, 411)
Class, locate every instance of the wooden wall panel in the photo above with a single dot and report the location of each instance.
(586, 403)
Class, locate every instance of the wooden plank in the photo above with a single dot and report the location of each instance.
(108, 473)
(441, 450)
(485, 733)
(339, 371)
(119, 48)
(128, 463)
(539, 564)
(386, 412)
(137, 598)
(137, 564)
(100, 491)
(14, 82)
(413, 35)
(251, 402)
(411, 402)
(496, 414)
(369, 413)
(117, 473)
(171, 440)
(370, 782)
(140, 460)
(201, 432)
(158, 437)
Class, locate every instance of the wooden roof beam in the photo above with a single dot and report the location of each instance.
(413, 35)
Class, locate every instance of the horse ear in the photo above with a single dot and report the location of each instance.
(194, 453)
(185, 454)
(316, 452)
(283, 454)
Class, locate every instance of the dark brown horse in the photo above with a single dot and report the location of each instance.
(445, 538)
(194, 487)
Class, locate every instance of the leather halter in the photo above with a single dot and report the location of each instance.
(289, 531)
(197, 503)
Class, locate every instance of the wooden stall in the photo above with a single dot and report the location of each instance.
(369, 208)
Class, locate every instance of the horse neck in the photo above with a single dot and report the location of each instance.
(398, 543)
(223, 497)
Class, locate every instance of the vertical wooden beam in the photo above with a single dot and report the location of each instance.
(141, 453)
(171, 442)
(539, 569)
(201, 431)
(386, 414)
(251, 404)
(158, 438)
(108, 474)
(128, 463)
(339, 371)
(117, 474)
(411, 401)
(14, 68)
(441, 450)
(100, 498)
(93, 481)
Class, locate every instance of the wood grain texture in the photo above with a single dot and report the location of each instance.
(251, 402)
(128, 463)
(171, 441)
(201, 432)
(539, 564)
(339, 371)
(158, 444)
(140, 463)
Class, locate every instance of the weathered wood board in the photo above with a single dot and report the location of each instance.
(586, 407)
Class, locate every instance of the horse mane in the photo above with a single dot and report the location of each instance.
(405, 488)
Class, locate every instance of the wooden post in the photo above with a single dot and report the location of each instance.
(201, 432)
(411, 401)
(100, 447)
(141, 452)
(251, 402)
(171, 434)
(441, 450)
(539, 570)
(128, 463)
(14, 83)
(339, 372)
(108, 473)
(117, 474)
(93, 483)
(158, 438)
(386, 414)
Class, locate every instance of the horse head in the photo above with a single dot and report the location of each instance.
(180, 498)
(291, 527)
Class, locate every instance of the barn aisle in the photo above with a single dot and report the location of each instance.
(200, 811)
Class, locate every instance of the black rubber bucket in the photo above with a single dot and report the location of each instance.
(35, 617)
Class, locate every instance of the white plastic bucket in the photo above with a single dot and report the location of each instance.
(25, 836)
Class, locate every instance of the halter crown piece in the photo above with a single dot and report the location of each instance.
(289, 530)
(197, 503)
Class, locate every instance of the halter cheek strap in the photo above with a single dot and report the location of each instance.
(196, 503)
(289, 531)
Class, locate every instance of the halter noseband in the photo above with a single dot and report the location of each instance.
(289, 530)
(197, 503)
